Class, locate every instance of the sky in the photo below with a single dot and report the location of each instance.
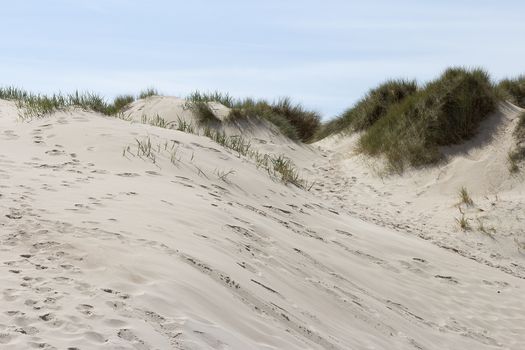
(323, 54)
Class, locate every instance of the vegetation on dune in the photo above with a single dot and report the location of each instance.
(407, 124)
(517, 155)
(250, 108)
(513, 90)
(38, 105)
(277, 166)
(520, 128)
(216, 96)
(148, 93)
(446, 111)
(293, 120)
(370, 108)
(303, 121)
(464, 197)
(120, 103)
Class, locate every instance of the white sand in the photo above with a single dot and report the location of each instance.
(105, 251)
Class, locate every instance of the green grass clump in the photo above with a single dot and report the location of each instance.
(304, 122)
(446, 111)
(250, 108)
(120, 103)
(199, 103)
(148, 93)
(292, 120)
(517, 155)
(215, 96)
(464, 197)
(463, 223)
(513, 90)
(520, 128)
(38, 105)
(370, 108)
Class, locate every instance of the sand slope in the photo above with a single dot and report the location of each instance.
(102, 249)
(424, 202)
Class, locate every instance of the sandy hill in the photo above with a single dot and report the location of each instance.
(123, 235)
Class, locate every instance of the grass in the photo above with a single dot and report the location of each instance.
(490, 231)
(249, 108)
(199, 104)
(223, 175)
(145, 149)
(157, 121)
(464, 197)
(33, 105)
(446, 111)
(120, 103)
(513, 90)
(277, 166)
(517, 155)
(513, 158)
(463, 223)
(374, 106)
(148, 93)
(293, 120)
(520, 128)
(215, 96)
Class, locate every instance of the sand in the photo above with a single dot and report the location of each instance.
(101, 249)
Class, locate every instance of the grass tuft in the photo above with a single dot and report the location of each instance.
(148, 93)
(120, 103)
(463, 223)
(370, 108)
(517, 155)
(199, 103)
(464, 197)
(216, 96)
(513, 90)
(446, 111)
(293, 120)
(39, 105)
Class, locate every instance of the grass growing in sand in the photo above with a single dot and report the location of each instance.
(33, 105)
(517, 155)
(464, 197)
(513, 90)
(446, 111)
(374, 106)
(293, 120)
(277, 166)
(463, 223)
(148, 93)
(407, 124)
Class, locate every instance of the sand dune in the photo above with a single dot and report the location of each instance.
(103, 249)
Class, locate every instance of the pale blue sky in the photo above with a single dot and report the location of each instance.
(324, 54)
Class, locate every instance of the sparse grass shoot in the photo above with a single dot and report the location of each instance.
(464, 197)
(223, 175)
(148, 93)
(463, 223)
(486, 231)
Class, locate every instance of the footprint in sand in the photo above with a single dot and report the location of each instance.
(128, 174)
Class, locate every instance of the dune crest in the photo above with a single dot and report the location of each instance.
(187, 245)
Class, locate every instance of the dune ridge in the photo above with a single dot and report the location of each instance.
(103, 248)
